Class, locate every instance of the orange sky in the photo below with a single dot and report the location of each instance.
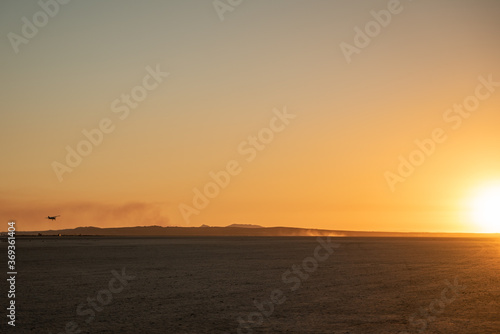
(309, 132)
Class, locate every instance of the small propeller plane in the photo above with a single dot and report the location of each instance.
(52, 217)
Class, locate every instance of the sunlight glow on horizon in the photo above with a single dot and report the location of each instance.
(485, 209)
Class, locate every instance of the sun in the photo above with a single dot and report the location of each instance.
(485, 209)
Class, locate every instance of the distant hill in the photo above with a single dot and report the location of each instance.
(245, 226)
(234, 230)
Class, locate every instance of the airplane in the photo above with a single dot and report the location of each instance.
(52, 217)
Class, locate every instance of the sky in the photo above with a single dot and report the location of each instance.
(344, 115)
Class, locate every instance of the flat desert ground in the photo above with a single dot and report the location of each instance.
(217, 284)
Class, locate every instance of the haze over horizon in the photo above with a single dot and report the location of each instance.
(398, 133)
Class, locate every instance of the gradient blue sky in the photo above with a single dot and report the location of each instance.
(325, 170)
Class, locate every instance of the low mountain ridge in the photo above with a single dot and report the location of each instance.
(234, 230)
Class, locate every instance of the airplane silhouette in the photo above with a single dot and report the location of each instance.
(52, 217)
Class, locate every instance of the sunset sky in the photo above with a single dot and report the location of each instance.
(335, 123)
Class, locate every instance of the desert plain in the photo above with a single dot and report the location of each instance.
(256, 285)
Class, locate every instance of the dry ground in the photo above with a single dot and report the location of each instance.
(204, 284)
